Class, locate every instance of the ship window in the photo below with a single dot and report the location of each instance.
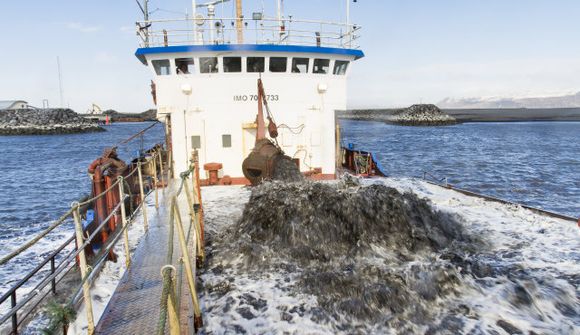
(196, 142)
(300, 65)
(321, 66)
(255, 64)
(232, 64)
(162, 67)
(227, 141)
(278, 64)
(208, 65)
(184, 65)
(340, 67)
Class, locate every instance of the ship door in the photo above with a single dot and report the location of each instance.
(249, 137)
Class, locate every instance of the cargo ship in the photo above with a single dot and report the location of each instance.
(242, 100)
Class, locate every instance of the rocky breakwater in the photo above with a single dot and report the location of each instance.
(44, 122)
(421, 115)
(416, 115)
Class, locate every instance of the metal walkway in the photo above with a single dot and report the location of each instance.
(134, 307)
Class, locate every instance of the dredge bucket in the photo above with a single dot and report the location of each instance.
(261, 162)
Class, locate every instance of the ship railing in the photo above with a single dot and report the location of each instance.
(212, 31)
(173, 278)
(71, 253)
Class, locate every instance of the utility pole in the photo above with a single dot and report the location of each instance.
(60, 82)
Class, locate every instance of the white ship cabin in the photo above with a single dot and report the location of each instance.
(205, 74)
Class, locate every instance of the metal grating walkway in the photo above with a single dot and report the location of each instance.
(134, 307)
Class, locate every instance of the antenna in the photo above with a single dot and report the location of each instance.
(60, 82)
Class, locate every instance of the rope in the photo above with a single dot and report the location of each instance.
(137, 134)
(166, 272)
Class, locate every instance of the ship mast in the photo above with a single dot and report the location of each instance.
(239, 23)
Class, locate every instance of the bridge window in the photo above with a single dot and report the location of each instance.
(227, 141)
(232, 64)
(300, 65)
(340, 67)
(184, 65)
(162, 67)
(278, 64)
(255, 64)
(208, 65)
(321, 66)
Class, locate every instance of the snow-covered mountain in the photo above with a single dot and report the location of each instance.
(564, 101)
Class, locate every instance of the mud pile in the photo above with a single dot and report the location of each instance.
(286, 170)
(366, 253)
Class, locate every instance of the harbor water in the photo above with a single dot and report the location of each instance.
(40, 176)
(533, 163)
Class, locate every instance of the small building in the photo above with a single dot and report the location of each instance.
(13, 104)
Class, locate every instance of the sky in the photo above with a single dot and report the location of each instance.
(417, 51)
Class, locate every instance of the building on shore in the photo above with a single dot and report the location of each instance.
(13, 104)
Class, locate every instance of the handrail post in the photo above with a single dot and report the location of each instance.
(52, 268)
(197, 187)
(124, 221)
(84, 270)
(155, 181)
(15, 315)
(161, 170)
(198, 322)
(143, 205)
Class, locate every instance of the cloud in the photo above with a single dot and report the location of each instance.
(83, 28)
(104, 57)
(127, 29)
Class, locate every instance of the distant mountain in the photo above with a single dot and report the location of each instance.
(565, 101)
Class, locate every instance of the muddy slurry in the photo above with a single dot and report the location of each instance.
(342, 257)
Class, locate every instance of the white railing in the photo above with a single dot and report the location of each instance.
(212, 31)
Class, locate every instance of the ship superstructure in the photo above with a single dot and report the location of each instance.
(205, 72)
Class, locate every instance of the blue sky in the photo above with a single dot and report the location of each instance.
(417, 50)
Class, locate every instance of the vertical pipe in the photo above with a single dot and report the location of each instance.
(124, 221)
(52, 268)
(84, 269)
(14, 316)
(194, 18)
(239, 21)
(146, 17)
(143, 204)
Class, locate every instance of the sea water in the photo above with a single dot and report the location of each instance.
(533, 163)
(40, 176)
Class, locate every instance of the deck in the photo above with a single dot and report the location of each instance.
(134, 307)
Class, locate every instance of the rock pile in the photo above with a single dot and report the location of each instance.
(416, 115)
(422, 115)
(44, 122)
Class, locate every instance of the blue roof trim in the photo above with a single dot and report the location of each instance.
(141, 52)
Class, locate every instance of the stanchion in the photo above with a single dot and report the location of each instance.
(198, 322)
(124, 221)
(154, 159)
(83, 268)
(143, 204)
(161, 171)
